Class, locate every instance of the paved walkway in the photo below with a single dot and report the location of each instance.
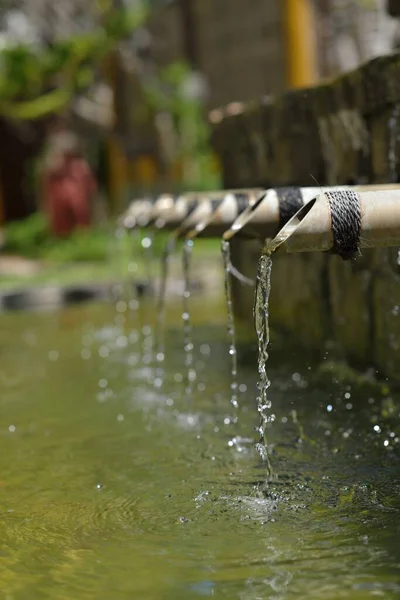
(19, 266)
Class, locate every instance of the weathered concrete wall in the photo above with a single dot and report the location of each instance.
(347, 131)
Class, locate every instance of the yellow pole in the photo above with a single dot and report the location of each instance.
(300, 43)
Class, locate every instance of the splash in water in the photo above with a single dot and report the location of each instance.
(226, 256)
(160, 328)
(261, 316)
(187, 326)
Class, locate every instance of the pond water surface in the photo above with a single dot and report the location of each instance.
(113, 488)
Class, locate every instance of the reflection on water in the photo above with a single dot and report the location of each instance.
(110, 488)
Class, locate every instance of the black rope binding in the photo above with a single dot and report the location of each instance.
(290, 201)
(242, 202)
(215, 204)
(191, 207)
(346, 222)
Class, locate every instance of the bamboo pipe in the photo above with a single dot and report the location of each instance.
(137, 213)
(226, 212)
(189, 206)
(263, 218)
(311, 228)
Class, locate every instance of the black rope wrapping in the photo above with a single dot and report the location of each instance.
(346, 222)
(192, 205)
(290, 201)
(242, 202)
(215, 204)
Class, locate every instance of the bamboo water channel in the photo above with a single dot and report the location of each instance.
(260, 213)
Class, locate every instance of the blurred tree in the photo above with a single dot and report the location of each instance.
(50, 53)
(178, 96)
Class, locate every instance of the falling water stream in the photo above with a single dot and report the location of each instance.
(146, 329)
(261, 318)
(393, 141)
(133, 300)
(187, 325)
(160, 327)
(226, 256)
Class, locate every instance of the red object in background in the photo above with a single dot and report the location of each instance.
(68, 188)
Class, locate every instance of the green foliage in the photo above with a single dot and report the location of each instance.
(190, 125)
(27, 237)
(34, 83)
(81, 246)
(32, 238)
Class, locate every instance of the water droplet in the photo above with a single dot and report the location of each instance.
(122, 341)
(132, 267)
(205, 349)
(133, 304)
(121, 306)
(103, 351)
(134, 337)
(146, 242)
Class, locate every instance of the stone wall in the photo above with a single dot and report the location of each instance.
(345, 131)
(230, 36)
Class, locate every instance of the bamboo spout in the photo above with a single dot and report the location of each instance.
(311, 229)
(137, 213)
(189, 210)
(263, 217)
(269, 213)
(224, 213)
